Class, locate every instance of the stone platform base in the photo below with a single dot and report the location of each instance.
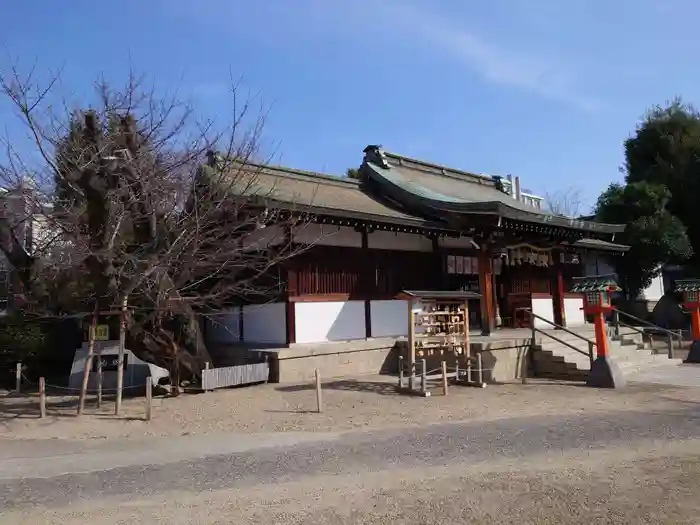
(605, 374)
(693, 353)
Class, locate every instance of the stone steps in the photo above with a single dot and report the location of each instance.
(553, 359)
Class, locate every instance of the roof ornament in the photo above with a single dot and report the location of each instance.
(498, 182)
(375, 155)
(213, 158)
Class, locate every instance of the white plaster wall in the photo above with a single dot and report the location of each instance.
(573, 311)
(263, 238)
(389, 318)
(224, 327)
(544, 307)
(455, 242)
(329, 321)
(384, 240)
(328, 235)
(265, 323)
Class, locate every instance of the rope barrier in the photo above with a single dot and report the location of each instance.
(89, 391)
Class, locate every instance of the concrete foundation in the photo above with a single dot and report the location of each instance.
(605, 374)
(693, 353)
(297, 363)
(504, 357)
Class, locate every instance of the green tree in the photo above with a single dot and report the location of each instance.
(655, 235)
(665, 150)
(352, 173)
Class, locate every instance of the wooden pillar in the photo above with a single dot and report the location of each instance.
(440, 264)
(558, 290)
(290, 306)
(486, 289)
(369, 269)
(291, 322)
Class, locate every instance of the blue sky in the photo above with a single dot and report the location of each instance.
(544, 89)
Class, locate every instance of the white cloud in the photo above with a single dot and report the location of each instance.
(418, 22)
(538, 74)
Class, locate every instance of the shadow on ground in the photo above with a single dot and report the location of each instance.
(372, 387)
(21, 407)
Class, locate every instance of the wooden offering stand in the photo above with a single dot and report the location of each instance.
(438, 331)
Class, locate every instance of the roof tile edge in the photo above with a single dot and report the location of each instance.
(298, 173)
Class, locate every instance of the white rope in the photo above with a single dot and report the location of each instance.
(88, 391)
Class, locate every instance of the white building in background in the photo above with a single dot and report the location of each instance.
(30, 226)
(512, 185)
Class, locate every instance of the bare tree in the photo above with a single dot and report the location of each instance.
(568, 203)
(142, 216)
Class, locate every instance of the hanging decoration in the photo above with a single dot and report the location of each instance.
(528, 254)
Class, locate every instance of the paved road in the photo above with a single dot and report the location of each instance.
(110, 477)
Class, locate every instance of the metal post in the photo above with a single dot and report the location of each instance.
(670, 346)
(457, 369)
(616, 323)
(423, 376)
(400, 371)
(18, 378)
(206, 368)
(480, 372)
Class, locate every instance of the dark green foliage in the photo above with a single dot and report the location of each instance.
(352, 173)
(655, 236)
(44, 346)
(660, 200)
(665, 150)
(20, 339)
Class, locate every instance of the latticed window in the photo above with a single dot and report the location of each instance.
(593, 297)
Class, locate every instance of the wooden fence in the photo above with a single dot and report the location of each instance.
(214, 378)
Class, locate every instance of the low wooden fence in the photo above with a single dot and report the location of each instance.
(213, 378)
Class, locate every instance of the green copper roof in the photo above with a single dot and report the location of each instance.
(438, 191)
(594, 283)
(688, 285)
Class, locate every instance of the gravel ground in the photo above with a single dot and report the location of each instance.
(614, 468)
(348, 404)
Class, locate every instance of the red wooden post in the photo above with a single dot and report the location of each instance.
(695, 322)
(601, 336)
(486, 288)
